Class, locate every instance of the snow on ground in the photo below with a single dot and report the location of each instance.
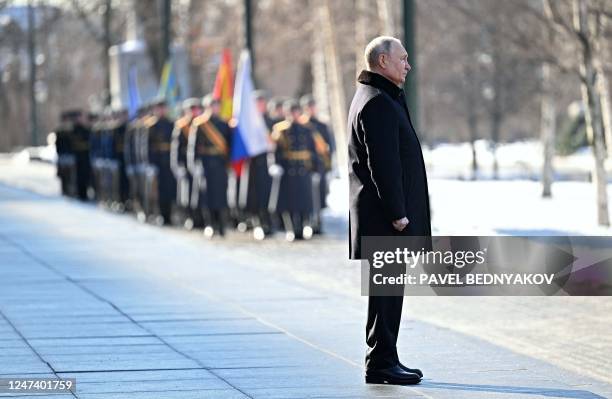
(511, 206)
(504, 207)
(517, 160)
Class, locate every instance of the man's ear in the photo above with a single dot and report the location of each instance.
(382, 60)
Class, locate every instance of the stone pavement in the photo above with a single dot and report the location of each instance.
(136, 311)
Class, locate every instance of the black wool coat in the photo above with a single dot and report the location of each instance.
(387, 177)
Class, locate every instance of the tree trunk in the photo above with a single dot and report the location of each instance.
(496, 101)
(105, 56)
(361, 36)
(548, 116)
(385, 18)
(472, 116)
(336, 87)
(319, 74)
(194, 20)
(604, 93)
(148, 15)
(592, 105)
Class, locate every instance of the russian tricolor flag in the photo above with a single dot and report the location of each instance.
(250, 133)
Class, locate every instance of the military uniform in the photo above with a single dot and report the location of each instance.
(259, 186)
(178, 162)
(132, 162)
(209, 149)
(296, 155)
(119, 129)
(161, 190)
(95, 157)
(80, 147)
(65, 157)
(324, 146)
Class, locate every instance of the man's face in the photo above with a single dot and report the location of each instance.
(195, 111)
(395, 66)
(160, 110)
(294, 114)
(215, 108)
(311, 110)
(261, 105)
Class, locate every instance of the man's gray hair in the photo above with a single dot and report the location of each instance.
(378, 46)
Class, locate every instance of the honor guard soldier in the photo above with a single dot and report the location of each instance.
(120, 185)
(80, 147)
(208, 157)
(160, 183)
(104, 154)
(296, 158)
(275, 110)
(95, 155)
(130, 156)
(325, 147)
(192, 108)
(258, 182)
(65, 157)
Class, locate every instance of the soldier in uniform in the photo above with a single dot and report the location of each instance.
(208, 156)
(325, 147)
(161, 185)
(275, 110)
(119, 128)
(297, 159)
(65, 157)
(80, 147)
(130, 157)
(107, 164)
(192, 108)
(258, 182)
(95, 154)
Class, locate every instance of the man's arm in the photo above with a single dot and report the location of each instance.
(381, 141)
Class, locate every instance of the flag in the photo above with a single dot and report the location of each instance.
(168, 87)
(223, 90)
(133, 94)
(250, 134)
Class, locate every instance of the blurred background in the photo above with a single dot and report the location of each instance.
(499, 90)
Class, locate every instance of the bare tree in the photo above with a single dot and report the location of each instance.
(580, 21)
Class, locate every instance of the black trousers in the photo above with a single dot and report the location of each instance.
(382, 329)
(384, 317)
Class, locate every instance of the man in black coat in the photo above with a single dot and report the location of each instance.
(388, 190)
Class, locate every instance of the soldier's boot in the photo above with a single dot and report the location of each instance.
(288, 225)
(298, 225)
(307, 229)
(221, 221)
(317, 226)
(266, 221)
(209, 228)
(165, 210)
(258, 230)
(198, 219)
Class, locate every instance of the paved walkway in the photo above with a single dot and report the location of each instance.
(136, 311)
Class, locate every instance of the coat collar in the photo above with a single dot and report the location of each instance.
(380, 82)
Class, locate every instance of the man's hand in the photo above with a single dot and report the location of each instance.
(400, 224)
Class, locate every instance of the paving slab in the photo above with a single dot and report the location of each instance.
(136, 311)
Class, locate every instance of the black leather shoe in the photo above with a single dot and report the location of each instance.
(393, 375)
(413, 371)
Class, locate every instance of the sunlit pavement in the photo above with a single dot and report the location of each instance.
(135, 311)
